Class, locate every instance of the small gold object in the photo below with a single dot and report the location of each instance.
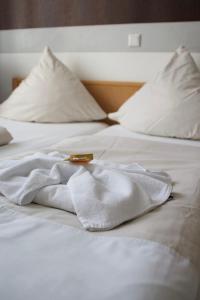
(80, 158)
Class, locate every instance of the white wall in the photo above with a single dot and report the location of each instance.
(96, 52)
(156, 37)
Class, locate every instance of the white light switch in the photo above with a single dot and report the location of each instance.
(134, 39)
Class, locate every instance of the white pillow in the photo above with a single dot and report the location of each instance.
(169, 105)
(5, 136)
(51, 93)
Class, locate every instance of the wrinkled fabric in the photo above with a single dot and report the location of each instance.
(101, 194)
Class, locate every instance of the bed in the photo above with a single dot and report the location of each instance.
(45, 254)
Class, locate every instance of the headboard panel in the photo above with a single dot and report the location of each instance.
(109, 94)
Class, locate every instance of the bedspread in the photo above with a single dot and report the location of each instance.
(156, 256)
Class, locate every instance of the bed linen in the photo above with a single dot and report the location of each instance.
(156, 256)
(34, 136)
(120, 131)
(175, 94)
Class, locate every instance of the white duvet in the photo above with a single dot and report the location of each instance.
(46, 261)
(45, 254)
(30, 136)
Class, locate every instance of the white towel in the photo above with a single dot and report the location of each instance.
(101, 194)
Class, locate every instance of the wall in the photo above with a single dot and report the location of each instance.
(156, 37)
(96, 52)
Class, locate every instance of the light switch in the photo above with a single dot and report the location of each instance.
(134, 39)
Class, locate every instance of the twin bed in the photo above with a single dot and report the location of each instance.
(46, 254)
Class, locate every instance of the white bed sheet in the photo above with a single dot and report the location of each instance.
(29, 136)
(154, 257)
(118, 130)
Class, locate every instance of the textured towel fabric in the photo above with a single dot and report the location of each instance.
(101, 194)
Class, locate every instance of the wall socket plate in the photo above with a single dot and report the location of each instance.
(134, 39)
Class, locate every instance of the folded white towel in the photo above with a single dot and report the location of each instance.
(102, 194)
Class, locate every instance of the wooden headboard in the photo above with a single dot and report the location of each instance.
(109, 94)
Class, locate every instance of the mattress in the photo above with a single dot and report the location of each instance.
(29, 136)
(156, 256)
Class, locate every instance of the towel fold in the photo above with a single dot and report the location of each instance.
(102, 194)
